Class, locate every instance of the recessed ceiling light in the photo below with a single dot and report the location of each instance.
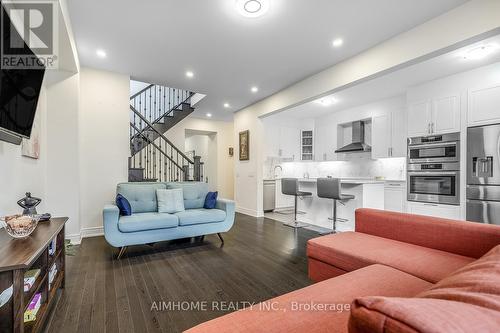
(100, 53)
(326, 101)
(480, 52)
(226, 105)
(338, 42)
(209, 115)
(189, 74)
(254, 89)
(252, 8)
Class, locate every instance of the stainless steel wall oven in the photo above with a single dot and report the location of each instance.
(434, 169)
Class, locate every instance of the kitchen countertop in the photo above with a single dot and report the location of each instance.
(355, 181)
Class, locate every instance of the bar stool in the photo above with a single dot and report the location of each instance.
(330, 188)
(290, 186)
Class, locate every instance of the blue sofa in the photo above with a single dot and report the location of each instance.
(146, 225)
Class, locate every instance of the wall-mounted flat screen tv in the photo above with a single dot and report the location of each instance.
(19, 92)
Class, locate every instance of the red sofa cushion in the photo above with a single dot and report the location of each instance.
(339, 292)
(466, 301)
(352, 250)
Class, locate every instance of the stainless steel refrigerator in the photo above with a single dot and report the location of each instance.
(483, 174)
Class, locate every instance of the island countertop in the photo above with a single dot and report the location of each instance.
(351, 181)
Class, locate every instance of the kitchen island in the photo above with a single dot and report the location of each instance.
(369, 193)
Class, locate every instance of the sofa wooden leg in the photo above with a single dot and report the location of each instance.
(122, 251)
(220, 236)
(202, 238)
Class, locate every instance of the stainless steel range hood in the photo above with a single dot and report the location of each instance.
(358, 140)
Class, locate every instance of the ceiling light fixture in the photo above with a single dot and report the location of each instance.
(209, 115)
(226, 105)
(480, 52)
(189, 74)
(254, 89)
(252, 8)
(338, 42)
(100, 53)
(326, 101)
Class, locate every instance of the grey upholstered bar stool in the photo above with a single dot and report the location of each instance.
(290, 186)
(330, 188)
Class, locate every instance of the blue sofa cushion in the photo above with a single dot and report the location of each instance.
(211, 200)
(200, 216)
(123, 205)
(142, 196)
(194, 193)
(147, 221)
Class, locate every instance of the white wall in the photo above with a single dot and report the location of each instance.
(62, 174)
(19, 174)
(225, 139)
(104, 142)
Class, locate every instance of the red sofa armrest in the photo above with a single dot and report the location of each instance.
(469, 239)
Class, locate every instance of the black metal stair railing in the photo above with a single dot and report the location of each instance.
(156, 103)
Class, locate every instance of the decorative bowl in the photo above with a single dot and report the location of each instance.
(20, 226)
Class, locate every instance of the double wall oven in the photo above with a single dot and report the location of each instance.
(434, 169)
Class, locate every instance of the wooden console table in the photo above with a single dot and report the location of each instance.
(20, 255)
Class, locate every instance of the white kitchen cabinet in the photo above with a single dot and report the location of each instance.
(381, 138)
(437, 115)
(445, 115)
(436, 210)
(289, 139)
(388, 135)
(325, 142)
(394, 196)
(419, 118)
(484, 105)
(307, 145)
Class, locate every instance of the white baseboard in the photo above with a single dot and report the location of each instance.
(76, 239)
(92, 232)
(248, 211)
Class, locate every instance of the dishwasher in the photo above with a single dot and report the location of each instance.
(269, 195)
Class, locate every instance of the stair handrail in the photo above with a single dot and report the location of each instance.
(160, 134)
(141, 91)
(157, 147)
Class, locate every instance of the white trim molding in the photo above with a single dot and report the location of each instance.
(248, 211)
(76, 239)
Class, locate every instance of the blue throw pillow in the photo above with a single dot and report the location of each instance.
(210, 200)
(123, 205)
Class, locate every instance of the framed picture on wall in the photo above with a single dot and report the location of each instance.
(245, 145)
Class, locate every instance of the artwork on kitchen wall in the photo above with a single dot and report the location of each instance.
(31, 147)
(231, 151)
(245, 145)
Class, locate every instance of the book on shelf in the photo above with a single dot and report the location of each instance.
(52, 246)
(30, 278)
(33, 307)
(52, 274)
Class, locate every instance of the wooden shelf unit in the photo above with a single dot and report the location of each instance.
(21, 255)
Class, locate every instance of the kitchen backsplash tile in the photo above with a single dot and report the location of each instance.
(356, 167)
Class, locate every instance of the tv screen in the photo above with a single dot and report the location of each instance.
(19, 92)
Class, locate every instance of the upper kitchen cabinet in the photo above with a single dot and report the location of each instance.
(484, 105)
(419, 118)
(306, 145)
(289, 143)
(388, 135)
(434, 116)
(324, 143)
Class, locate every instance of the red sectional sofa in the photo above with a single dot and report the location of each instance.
(396, 273)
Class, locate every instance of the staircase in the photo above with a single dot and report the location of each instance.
(153, 111)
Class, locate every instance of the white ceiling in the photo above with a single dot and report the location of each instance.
(395, 83)
(157, 41)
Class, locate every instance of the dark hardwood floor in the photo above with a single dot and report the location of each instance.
(260, 259)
